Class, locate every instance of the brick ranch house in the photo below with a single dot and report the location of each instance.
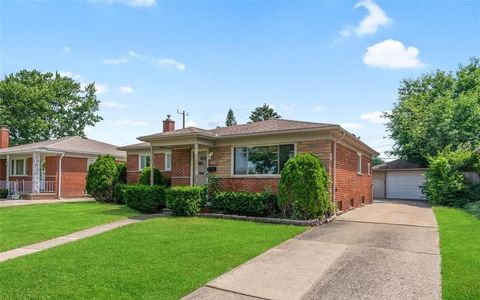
(50, 169)
(250, 157)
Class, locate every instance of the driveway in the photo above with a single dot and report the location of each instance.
(8, 203)
(387, 250)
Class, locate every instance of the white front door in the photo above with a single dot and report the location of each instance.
(202, 167)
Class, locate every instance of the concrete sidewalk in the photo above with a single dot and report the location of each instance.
(387, 250)
(25, 250)
(8, 203)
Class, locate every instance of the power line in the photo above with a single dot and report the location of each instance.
(183, 113)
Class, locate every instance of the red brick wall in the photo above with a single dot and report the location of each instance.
(351, 185)
(74, 173)
(3, 169)
(180, 167)
(133, 175)
(159, 163)
(249, 184)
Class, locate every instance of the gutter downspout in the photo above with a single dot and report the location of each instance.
(60, 176)
(335, 170)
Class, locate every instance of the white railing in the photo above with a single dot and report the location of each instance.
(18, 187)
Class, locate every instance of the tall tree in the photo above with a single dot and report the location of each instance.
(377, 161)
(39, 106)
(264, 112)
(436, 110)
(230, 118)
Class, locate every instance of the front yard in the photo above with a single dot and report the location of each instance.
(460, 251)
(25, 225)
(164, 258)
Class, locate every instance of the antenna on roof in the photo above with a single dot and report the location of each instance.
(183, 113)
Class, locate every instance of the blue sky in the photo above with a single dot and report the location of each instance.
(325, 61)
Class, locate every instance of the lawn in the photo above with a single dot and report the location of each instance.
(164, 258)
(25, 225)
(460, 251)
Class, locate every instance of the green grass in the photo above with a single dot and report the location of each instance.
(460, 251)
(25, 225)
(164, 258)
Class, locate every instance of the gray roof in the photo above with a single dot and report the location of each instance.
(398, 164)
(71, 144)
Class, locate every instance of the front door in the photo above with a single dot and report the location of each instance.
(202, 167)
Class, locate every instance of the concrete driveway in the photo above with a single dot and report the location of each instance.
(387, 250)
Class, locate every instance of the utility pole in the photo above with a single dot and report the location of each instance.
(183, 113)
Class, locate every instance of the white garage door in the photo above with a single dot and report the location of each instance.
(405, 184)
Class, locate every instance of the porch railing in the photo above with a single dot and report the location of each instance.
(18, 187)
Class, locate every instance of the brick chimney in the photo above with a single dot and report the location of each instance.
(168, 124)
(4, 136)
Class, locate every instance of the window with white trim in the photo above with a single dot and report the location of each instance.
(369, 168)
(168, 161)
(18, 167)
(261, 160)
(143, 161)
(359, 163)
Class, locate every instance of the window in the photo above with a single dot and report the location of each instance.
(168, 161)
(359, 163)
(369, 168)
(261, 160)
(18, 167)
(144, 162)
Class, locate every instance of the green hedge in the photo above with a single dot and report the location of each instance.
(146, 199)
(119, 193)
(3, 193)
(245, 204)
(158, 178)
(186, 200)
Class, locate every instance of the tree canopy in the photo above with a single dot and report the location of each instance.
(264, 112)
(436, 110)
(230, 118)
(39, 106)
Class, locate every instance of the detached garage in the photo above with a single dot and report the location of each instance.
(398, 179)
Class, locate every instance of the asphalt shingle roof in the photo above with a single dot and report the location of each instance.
(399, 164)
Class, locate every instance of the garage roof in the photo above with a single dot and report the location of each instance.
(398, 164)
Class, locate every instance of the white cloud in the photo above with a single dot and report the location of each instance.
(101, 88)
(169, 63)
(190, 124)
(318, 108)
(392, 54)
(126, 89)
(375, 19)
(134, 54)
(111, 104)
(115, 61)
(133, 123)
(133, 3)
(352, 126)
(373, 116)
(70, 74)
(66, 49)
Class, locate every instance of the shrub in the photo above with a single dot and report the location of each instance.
(303, 188)
(122, 172)
(146, 199)
(158, 178)
(241, 203)
(102, 177)
(119, 193)
(473, 208)
(185, 200)
(3, 193)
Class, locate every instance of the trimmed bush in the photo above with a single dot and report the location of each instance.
(158, 178)
(122, 172)
(303, 188)
(101, 178)
(119, 193)
(146, 199)
(473, 208)
(245, 204)
(185, 200)
(3, 193)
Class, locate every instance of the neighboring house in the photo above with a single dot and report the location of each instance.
(250, 157)
(398, 179)
(49, 169)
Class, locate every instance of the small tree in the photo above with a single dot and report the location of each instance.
(377, 161)
(230, 118)
(102, 177)
(264, 112)
(158, 178)
(303, 189)
(122, 172)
